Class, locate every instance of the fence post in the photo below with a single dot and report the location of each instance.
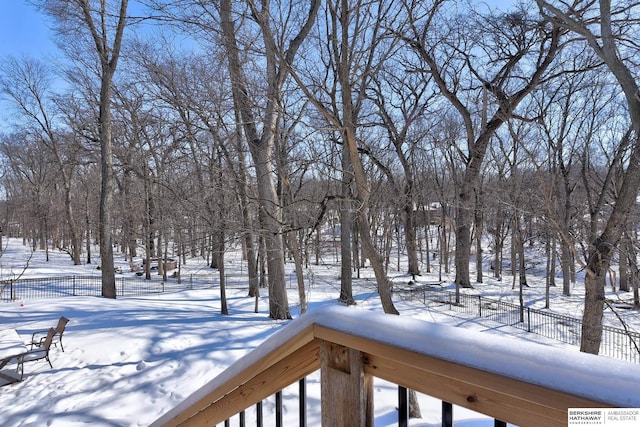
(479, 305)
(73, 285)
(528, 319)
(12, 291)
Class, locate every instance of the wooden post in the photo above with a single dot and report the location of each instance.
(347, 392)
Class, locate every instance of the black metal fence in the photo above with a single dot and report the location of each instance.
(55, 287)
(616, 342)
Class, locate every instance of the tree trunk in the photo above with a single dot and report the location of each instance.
(346, 230)
(444, 247)
(247, 222)
(294, 248)
(566, 258)
(159, 255)
(76, 236)
(463, 234)
(262, 262)
(522, 281)
(413, 267)
(318, 245)
(346, 265)
(478, 222)
(108, 56)
(427, 238)
(220, 246)
(384, 285)
(548, 273)
(147, 255)
(552, 267)
(499, 243)
(522, 263)
(362, 195)
(595, 282)
(414, 405)
(623, 265)
(148, 224)
(106, 193)
(88, 231)
(261, 146)
(601, 252)
(633, 270)
(271, 220)
(518, 258)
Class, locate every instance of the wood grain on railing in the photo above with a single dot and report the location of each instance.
(290, 355)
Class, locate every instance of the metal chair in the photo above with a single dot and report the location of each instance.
(38, 353)
(38, 337)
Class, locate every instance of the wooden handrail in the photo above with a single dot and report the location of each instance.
(521, 383)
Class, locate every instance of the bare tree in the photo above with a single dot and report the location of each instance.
(353, 51)
(261, 144)
(497, 213)
(605, 28)
(401, 99)
(29, 181)
(102, 24)
(518, 49)
(29, 85)
(573, 113)
(347, 224)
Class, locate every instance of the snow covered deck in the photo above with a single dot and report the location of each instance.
(519, 382)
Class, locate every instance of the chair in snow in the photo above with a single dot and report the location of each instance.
(38, 353)
(38, 337)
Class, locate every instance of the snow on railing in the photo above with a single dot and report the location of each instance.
(523, 383)
(618, 343)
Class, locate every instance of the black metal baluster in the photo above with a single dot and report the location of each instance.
(242, 419)
(279, 409)
(403, 406)
(447, 414)
(302, 386)
(259, 414)
(498, 423)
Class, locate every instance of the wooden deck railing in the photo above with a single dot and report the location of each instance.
(523, 383)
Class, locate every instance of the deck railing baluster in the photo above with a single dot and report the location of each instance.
(259, 414)
(302, 389)
(403, 406)
(279, 409)
(447, 414)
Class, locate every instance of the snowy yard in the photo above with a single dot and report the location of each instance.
(128, 361)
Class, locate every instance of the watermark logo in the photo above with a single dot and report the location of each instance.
(613, 417)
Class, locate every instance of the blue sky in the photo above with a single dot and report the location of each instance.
(23, 30)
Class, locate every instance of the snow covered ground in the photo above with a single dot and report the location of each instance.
(130, 360)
